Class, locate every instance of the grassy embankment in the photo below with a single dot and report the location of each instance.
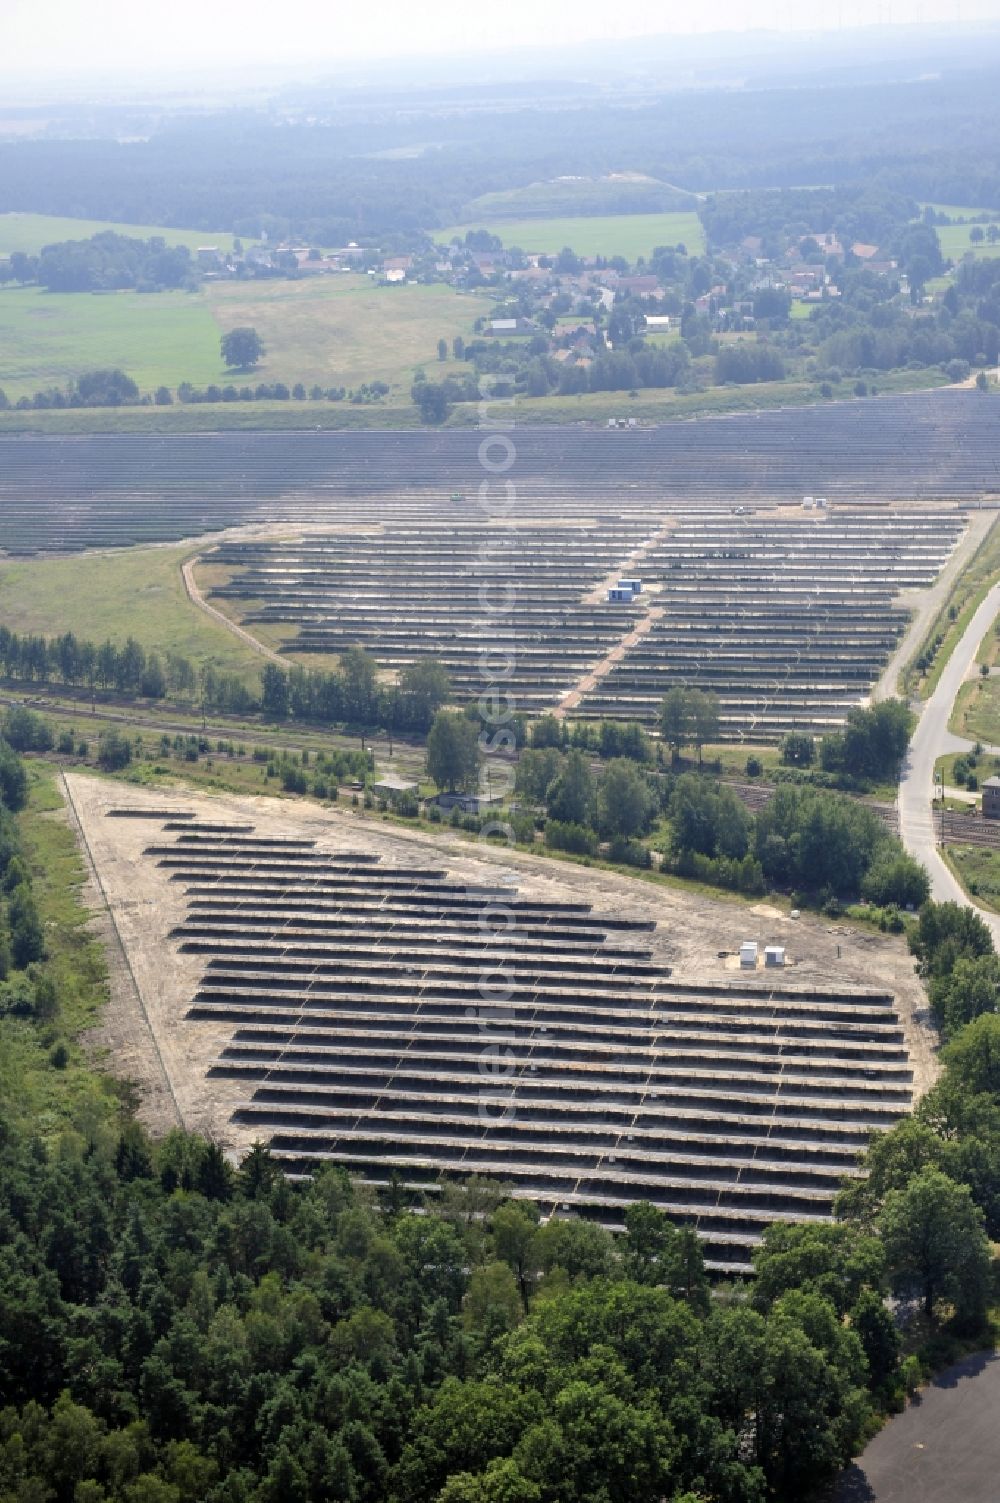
(978, 870)
(977, 708)
(47, 1076)
(964, 599)
(977, 711)
(649, 406)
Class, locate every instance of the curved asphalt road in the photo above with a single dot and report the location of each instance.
(932, 739)
(944, 1447)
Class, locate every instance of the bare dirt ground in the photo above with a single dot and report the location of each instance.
(153, 983)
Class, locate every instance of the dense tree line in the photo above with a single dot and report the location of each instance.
(870, 748)
(618, 804)
(352, 694)
(873, 743)
(107, 262)
(24, 993)
(172, 1330)
(114, 388)
(804, 840)
(747, 364)
(273, 391)
(100, 388)
(932, 1184)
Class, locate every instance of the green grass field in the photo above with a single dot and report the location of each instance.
(979, 712)
(628, 235)
(341, 331)
(29, 232)
(210, 417)
(967, 593)
(978, 870)
(159, 337)
(335, 332)
(955, 242)
(137, 592)
(615, 193)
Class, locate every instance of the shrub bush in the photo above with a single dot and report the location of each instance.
(578, 839)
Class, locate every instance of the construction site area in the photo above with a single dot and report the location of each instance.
(411, 1005)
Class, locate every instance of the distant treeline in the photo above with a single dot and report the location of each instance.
(248, 173)
(871, 212)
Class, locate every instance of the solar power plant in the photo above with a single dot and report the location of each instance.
(350, 987)
(109, 490)
(787, 616)
(425, 590)
(788, 621)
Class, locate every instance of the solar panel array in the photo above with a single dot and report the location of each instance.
(111, 489)
(389, 1018)
(789, 620)
(788, 617)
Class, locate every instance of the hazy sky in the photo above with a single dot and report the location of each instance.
(39, 35)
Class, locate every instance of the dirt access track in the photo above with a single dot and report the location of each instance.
(149, 1039)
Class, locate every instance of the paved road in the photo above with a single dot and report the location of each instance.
(944, 1448)
(932, 739)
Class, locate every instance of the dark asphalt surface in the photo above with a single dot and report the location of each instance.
(945, 1447)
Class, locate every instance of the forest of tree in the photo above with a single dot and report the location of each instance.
(327, 182)
(107, 262)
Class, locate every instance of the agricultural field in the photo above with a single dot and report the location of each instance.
(139, 593)
(628, 235)
(344, 330)
(29, 232)
(47, 338)
(955, 242)
(333, 332)
(617, 193)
